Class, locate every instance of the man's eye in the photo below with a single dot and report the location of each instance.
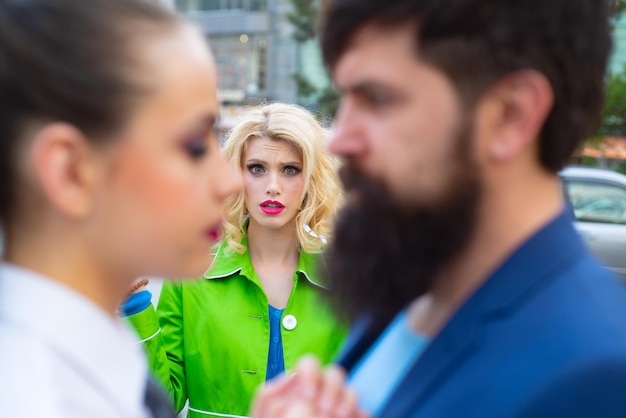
(196, 147)
(378, 100)
(255, 169)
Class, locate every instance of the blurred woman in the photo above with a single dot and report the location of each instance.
(262, 303)
(109, 170)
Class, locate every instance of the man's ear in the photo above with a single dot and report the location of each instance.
(522, 102)
(65, 168)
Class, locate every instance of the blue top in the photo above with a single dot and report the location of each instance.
(275, 358)
(386, 363)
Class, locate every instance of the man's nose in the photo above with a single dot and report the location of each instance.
(347, 138)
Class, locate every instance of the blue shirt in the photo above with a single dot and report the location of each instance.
(386, 363)
(275, 358)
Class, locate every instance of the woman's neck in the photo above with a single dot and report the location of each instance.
(274, 255)
(273, 246)
(70, 264)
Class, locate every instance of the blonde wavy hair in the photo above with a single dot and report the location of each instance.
(322, 194)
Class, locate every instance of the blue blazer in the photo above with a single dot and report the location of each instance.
(545, 336)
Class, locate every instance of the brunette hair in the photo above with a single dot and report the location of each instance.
(477, 42)
(71, 61)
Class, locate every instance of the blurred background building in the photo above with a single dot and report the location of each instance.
(256, 53)
(259, 53)
(607, 148)
(618, 58)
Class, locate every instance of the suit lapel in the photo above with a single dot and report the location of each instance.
(528, 270)
(442, 356)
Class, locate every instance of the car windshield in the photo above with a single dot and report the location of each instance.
(597, 202)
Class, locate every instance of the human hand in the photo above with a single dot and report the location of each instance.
(131, 304)
(138, 286)
(308, 393)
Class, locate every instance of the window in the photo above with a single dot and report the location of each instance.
(594, 201)
(212, 5)
(242, 64)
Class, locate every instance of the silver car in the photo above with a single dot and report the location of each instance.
(597, 198)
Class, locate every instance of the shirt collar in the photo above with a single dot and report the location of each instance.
(228, 263)
(78, 331)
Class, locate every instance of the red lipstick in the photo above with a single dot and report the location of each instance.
(214, 233)
(272, 207)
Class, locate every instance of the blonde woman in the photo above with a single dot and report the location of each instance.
(261, 304)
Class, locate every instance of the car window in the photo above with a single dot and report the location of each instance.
(594, 201)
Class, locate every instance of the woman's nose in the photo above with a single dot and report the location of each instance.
(273, 187)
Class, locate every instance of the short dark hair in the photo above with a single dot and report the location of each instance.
(68, 61)
(477, 42)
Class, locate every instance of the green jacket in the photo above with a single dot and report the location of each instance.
(208, 340)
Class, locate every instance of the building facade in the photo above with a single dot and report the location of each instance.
(253, 47)
(618, 57)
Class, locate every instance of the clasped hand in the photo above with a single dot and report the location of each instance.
(309, 392)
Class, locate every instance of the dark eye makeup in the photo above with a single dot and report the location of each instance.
(197, 146)
(291, 170)
(255, 168)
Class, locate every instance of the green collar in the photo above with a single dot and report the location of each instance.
(228, 265)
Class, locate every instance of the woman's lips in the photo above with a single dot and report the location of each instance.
(272, 207)
(214, 233)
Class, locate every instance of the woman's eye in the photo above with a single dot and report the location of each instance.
(255, 169)
(292, 171)
(196, 147)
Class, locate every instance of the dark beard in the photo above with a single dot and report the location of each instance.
(385, 253)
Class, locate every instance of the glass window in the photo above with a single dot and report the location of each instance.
(212, 5)
(258, 5)
(594, 201)
(199, 5)
(242, 65)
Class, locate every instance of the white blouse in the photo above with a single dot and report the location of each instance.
(62, 356)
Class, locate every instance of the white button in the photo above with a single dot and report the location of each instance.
(289, 322)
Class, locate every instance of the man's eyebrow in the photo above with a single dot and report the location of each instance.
(365, 86)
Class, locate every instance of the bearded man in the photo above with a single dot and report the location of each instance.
(472, 294)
